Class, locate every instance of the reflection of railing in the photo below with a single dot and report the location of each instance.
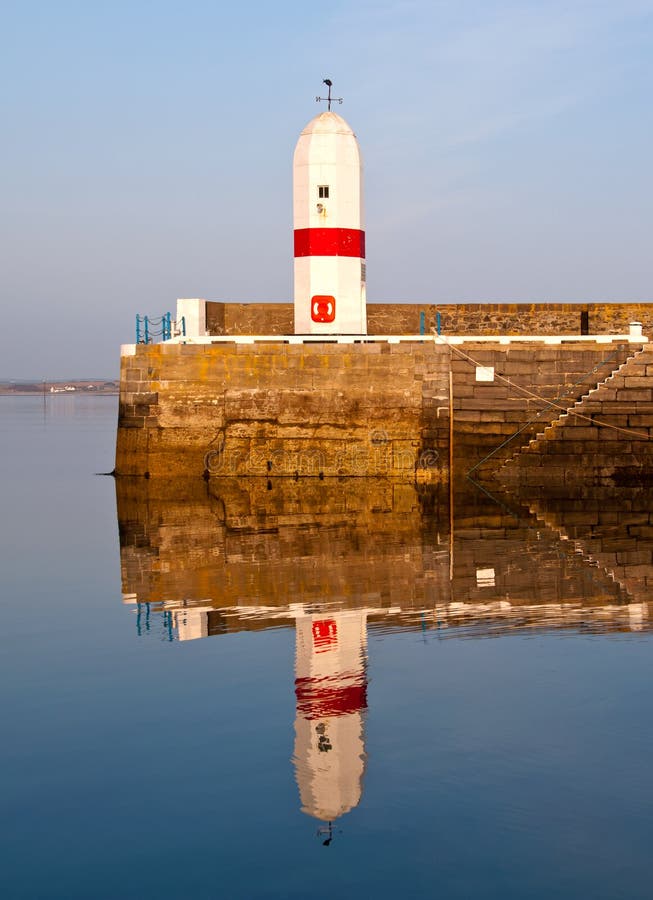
(148, 328)
(144, 623)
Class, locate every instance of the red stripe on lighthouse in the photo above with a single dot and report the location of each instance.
(330, 242)
(318, 697)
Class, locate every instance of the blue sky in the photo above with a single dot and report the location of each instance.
(146, 155)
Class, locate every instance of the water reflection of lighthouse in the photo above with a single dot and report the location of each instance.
(331, 689)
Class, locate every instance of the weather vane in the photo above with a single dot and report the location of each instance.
(328, 98)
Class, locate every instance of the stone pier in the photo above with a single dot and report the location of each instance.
(378, 407)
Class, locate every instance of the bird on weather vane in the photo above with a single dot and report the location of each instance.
(329, 99)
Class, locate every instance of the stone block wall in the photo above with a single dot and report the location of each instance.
(325, 409)
(540, 318)
(279, 409)
(249, 318)
(455, 318)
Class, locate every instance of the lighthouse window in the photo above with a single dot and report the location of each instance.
(323, 191)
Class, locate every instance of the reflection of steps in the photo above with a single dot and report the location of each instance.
(611, 529)
(580, 547)
(539, 449)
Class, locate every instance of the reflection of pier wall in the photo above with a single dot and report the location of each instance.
(351, 543)
(512, 555)
(611, 529)
(252, 557)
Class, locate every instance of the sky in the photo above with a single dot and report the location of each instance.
(146, 155)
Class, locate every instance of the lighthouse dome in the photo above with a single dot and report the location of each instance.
(327, 140)
(328, 123)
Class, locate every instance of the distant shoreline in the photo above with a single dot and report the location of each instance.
(86, 387)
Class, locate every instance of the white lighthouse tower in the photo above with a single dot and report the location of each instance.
(329, 228)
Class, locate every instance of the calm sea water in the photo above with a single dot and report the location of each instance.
(245, 690)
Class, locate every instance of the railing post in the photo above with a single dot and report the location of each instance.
(147, 331)
(438, 322)
(138, 329)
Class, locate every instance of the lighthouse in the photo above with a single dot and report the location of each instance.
(331, 691)
(329, 233)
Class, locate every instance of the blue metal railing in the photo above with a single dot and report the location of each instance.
(149, 328)
(422, 322)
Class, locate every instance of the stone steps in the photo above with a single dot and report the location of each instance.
(551, 430)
